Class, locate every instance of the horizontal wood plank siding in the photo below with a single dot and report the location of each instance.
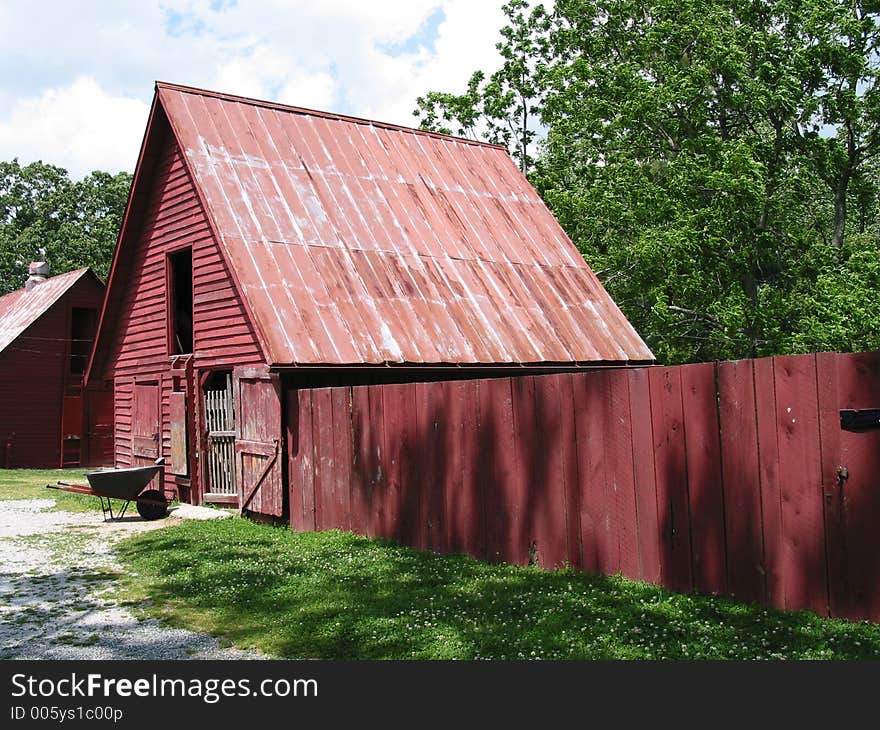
(223, 335)
(136, 347)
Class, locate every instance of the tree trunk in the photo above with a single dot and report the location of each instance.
(840, 191)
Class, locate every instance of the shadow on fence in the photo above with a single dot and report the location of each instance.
(718, 477)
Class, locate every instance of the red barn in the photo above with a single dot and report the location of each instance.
(267, 248)
(46, 334)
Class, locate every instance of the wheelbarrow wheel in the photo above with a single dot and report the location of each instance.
(152, 511)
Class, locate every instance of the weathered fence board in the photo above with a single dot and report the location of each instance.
(589, 412)
(705, 491)
(742, 480)
(644, 476)
(768, 473)
(670, 468)
(731, 478)
(620, 479)
(568, 449)
(803, 539)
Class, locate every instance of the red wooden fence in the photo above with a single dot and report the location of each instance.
(720, 478)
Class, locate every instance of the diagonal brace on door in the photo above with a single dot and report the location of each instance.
(253, 490)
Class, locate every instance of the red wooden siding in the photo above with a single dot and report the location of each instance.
(31, 391)
(718, 478)
(135, 346)
(34, 378)
(222, 333)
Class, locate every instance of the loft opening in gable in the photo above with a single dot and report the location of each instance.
(180, 301)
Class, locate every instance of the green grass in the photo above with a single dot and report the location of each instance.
(336, 595)
(31, 484)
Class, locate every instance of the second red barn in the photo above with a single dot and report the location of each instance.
(46, 333)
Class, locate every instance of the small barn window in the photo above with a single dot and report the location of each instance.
(180, 302)
(83, 323)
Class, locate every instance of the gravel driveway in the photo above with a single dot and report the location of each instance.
(57, 571)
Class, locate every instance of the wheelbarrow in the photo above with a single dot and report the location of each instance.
(127, 485)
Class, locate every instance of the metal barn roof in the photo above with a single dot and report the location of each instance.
(357, 242)
(21, 308)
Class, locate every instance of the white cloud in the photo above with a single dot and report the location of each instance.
(75, 83)
(79, 127)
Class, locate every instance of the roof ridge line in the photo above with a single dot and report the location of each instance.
(323, 114)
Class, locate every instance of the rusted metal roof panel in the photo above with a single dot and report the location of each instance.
(21, 308)
(357, 242)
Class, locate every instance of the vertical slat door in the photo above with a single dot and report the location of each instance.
(179, 446)
(220, 425)
(258, 457)
(145, 424)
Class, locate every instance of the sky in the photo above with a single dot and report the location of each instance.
(76, 77)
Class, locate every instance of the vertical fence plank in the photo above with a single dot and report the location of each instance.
(395, 444)
(705, 489)
(360, 493)
(432, 403)
(467, 504)
(768, 475)
(620, 480)
(322, 413)
(742, 483)
(803, 544)
(294, 445)
(670, 467)
(829, 396)
(505, 470)
(340, 402)
(568, 445)
(376, 461)
(402, 500)
(307, 459)
(590, 432)
(454, 448)
(643, 472)
(545, 496)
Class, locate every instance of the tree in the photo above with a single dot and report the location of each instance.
(501, 108)
(704, 157)
(45, 215)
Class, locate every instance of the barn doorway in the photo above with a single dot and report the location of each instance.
(219, 409)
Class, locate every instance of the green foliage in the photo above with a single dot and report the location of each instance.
(715, 162)
(337, 595)
(44, 215)
(500, 108)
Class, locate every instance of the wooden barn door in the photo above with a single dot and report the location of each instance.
(145, 424)
(99, 419)
(220, 448)
(258, 440)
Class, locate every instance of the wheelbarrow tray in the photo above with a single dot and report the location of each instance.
(122, 483)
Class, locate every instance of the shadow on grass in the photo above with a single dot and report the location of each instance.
(337, 595)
